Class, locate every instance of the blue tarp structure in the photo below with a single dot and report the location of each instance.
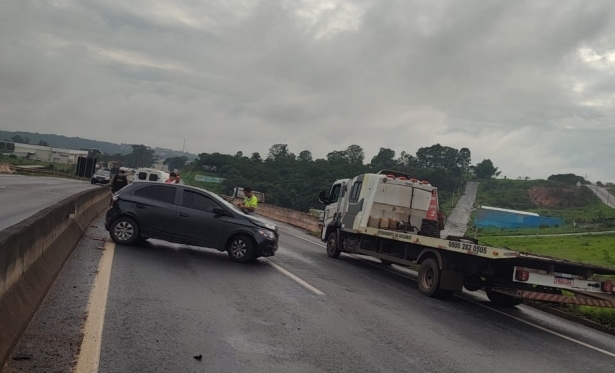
(504, 218)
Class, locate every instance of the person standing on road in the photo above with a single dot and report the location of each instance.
(172, 178)
(249, 203)
(119, 181)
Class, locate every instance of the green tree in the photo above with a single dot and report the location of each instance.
(337, 156)
(407, 161)
(305, 156)
(280, 151)
(567, 178)
(355, 155)
(384, 159)
(175, 163)
(464, 160)
(141, 156)
(42, 143)
(486, 170)
(256, 157)
(438, 157)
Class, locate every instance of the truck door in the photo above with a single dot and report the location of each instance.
(331, 209)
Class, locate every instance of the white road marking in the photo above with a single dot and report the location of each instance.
(543, 328)
(570, 339)
(295, 278)
(89, 356)
(303, 238)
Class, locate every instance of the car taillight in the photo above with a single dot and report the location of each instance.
(607, 287)
(522, 275)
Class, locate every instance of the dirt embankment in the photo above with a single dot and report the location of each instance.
(559, 196)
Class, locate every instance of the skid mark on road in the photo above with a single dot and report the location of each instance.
(89, 357)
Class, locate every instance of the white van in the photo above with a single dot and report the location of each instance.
(150, 174)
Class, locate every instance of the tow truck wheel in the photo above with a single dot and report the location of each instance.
(502, 300)
(429, 277)
(332, 250)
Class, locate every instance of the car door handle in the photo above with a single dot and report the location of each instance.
(184, 215)
(140, 206)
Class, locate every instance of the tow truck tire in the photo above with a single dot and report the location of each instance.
(502, 300)
(429, 279)
(332, 250)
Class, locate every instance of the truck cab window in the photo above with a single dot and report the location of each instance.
(335, 193)
(356, 191)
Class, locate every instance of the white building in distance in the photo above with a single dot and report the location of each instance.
(43, 153)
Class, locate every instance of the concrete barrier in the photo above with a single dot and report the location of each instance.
(33, 252)
(295, 218)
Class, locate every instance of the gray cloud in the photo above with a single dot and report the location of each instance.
(527, 84)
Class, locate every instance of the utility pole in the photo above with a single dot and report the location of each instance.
(184, 147)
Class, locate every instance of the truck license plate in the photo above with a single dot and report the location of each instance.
(563, 281)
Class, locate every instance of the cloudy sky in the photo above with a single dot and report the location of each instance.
(528, 84)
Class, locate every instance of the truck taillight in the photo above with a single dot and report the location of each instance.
(607, 287)
(521, 275)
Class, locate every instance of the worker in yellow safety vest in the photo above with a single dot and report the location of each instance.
(249, 203)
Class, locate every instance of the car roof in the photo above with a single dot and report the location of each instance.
(144, 183)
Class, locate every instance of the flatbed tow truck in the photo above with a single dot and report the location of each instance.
(395, 218)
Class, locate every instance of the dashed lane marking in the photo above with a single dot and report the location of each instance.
(295, 278)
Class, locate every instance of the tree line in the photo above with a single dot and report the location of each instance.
(293, 181)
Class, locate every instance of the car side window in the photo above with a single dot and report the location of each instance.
(197, 201)
(157, 193)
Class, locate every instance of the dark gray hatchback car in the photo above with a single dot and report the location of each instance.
(191, 216)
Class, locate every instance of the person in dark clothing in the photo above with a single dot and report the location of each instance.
(119, 181)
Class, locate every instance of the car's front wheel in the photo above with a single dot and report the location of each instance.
(241, 248)
(124, 231)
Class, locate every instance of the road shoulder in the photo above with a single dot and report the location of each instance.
(53, 338)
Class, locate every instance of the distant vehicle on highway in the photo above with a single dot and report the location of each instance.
(150, 174)
(101, 177)
(191, 216)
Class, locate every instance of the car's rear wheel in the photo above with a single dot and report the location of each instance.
(241, 248)
(124, 231)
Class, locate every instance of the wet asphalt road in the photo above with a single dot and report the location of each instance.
(24, 196)
(168, 303)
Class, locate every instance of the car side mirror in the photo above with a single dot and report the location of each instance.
(220, 211)
(322, 198)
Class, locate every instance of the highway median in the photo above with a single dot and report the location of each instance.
(32, 254)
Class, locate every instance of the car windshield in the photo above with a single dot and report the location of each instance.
(102, 173)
